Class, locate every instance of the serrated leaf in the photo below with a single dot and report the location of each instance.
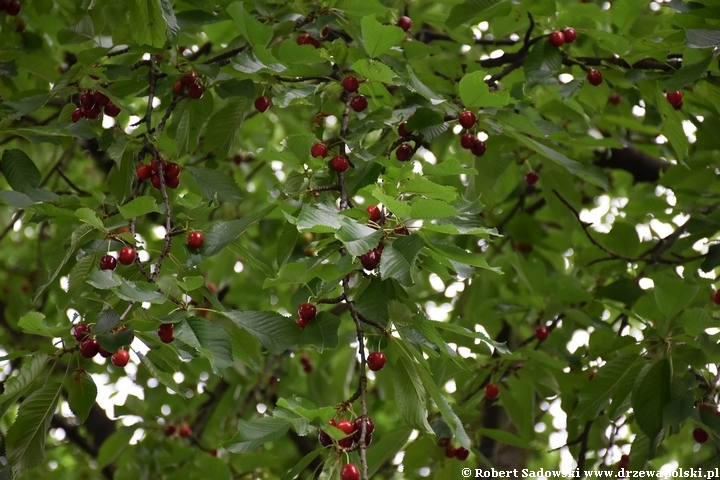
(374, 70)
(20, 172)
(146, 17)
(429, 123)
(257, 34)
(300, 145)
(82, 392)
(673, 129)
(216, 185)
(90, 217)
(322, 332)
(596, 394)
(275, 332)
(475, 93)
(286, 243)
(29, 371)
(138, 207)
(410, 396)
(457, 254)
(209, 338)
(543, 64)
(82, 31)
(25, 440)
(103, 279)
(468, 11)
(398, 259)
(426, 209)
(672, 296)
(163, 377)
(378, 38)
(221, 131)
(222, 234)
(190, 283)
(138, 292)
(687, 74)
(702, 38)
(650, 397)
(358, 239)
(108, 320)
(251, 435)
(320, 218)
(168, 14)
(34, 323)
(397, 207)
(696, 320)
(421, 186)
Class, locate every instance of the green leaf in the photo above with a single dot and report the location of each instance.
(543, 64)
(222, 234)
(421, 186)
(374, 70)
(139, 292)
(28, 373)
(25, 440)
(468, 11)
(90, 217)
(505, 437)
(138, 207)
(168, 14)
(221, 131)
(108, 320)
(672, 296)
(651, 396)
(190, 283)
(358, 239)
(275, 332)
(456, 254)
(673, 129)
(410, 396)
(397, 207)
(81, 392)
(475, 93)
(251, 435)
(163, 377)
(696, 320)
(385, 449)
(429, 123)
(425, 209)
(34, 323)
(302, 464)
(257, 33)
(216, 185)
(20, 172)
(286, 243)
(77, 238)
(702, 38)
(82, 31)
(321, 218)
(300, 146)
(322, 332)
(450, 166)
(596, 394)
(103, 279)
(687, 74)
(146, 17)
(114, 446)
(209, 338)
(378, 38)
(398, 259)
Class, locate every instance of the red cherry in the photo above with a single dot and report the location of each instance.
(359, 103)
(716, 297)
(374, 212)
(189, 78)
(624, 461)
(154, 165)
(325, 32)
(450, 451)
(237, 159)
(700, 435)
(319, 150)
(306, 364)
(155, 180)
(557, 38)
(594, 77)
(570, 35)
(376, 361)
(467, 141)
(127, 255)
(467, 119)
(13, 7)
(104, 353)
(531, 178)
(185, 431)
(87, 100)
(178, 88)
(351, 84)
(479, 148)
(402, 130)
(370, 260)
(92, 113)
(302, 323)
(195, 91)
(159, 58)
(77, 114)
(339, 163)
(81, 331)
(324, 439)
(262, 104)
(89, 348)
(404, 22)
(492, 391)
(349, 472)
(541, 333)
(404, 152)
(307, 311)
(348, 428)
(307, 39)
(172, 182)
(674, 98)
(100, 98)
(462, 454)
(165, 332)
(369, 425)
(615, 99)
(112, 110)
(121, 358)
(170, 430)
(195, 239)
(172, 170)
(108, 262)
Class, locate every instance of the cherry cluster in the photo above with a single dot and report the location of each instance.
(469, 141)
(560, 37)
(171, 173)
(352, 430)
(12, 7)
(351, 85)
(339, 163)
(190, 82)
(89, 346)
(307, 39)
(461, 453)
(91, 104)
(184, 431)
(126, 256)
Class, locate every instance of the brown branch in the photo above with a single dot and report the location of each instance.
(224, 57)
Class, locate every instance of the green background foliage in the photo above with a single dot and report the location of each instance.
(613, 251)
